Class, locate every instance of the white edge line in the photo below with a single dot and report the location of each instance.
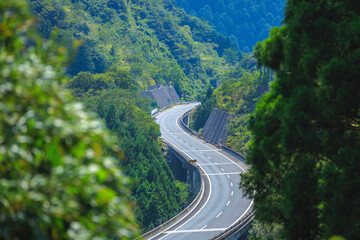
(177, 120)
(251, 203)
(198, 230)
(232, 192)
(204, 190)
(207, 200)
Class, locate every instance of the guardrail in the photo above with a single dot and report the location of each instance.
(241, 226)
(235, 230)
(226, 148)
(238, 229)
(233, 152)
(193, 202)
(188, 129)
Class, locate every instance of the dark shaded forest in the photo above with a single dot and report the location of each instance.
(245, 21)
(305, 144)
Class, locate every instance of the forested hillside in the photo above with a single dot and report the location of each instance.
(245, 21)
(124, 47)
(154, 41)
(112, 95)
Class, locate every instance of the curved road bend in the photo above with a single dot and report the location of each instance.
(224, 204)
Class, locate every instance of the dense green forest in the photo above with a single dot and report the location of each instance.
(305, 146)
(155, 192)
(154, 40)
(58, 165)
(123, 48)
(238, 93)
(245, 21)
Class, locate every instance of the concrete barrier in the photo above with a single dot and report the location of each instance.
(237, 230)
(215, 129)
(234, 231)
(198, 196)
(164, 96)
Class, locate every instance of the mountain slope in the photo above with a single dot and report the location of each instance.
(155, 40)
(246, 22)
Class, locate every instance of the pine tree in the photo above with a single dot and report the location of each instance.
(305, 149)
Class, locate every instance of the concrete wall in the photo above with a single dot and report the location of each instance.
(215, 129)
(164, 96)
(183, 170)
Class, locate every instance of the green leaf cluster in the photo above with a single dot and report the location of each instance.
(58, 172)
(239, 93)
(202, 113)
(260, 231)
(305, 147)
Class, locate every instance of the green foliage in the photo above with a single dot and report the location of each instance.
(154, 41)
(121, 78)
(270, 51)
(261, 231)
(305, 149)
(155, 191)
(184, 193)
(238, 94)
(246, 22)
(203, 111)
(85, 83)
(239, 134)
(58, 179)
(125, 113)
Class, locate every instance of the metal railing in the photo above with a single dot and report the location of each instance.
(236, 230)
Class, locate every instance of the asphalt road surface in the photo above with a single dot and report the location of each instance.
(224, 203)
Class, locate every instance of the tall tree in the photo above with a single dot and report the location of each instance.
(305, 149)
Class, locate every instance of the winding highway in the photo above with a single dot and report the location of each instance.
(223, 204)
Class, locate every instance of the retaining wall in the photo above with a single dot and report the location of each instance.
(215, 129)
(164, 96)
(195, 179)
